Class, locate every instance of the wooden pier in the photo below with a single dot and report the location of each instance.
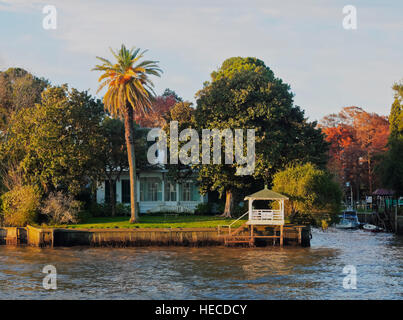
(265, 226)
(264, 235)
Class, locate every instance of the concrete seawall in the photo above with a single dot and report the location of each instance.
(49, 237)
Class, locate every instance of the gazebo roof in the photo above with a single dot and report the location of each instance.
(266, 194)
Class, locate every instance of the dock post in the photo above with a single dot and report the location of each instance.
(299, 235)
(281, 235)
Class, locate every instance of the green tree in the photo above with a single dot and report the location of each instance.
(53, 143)
(113, 154)
(18, 89)
(245, 94)
(391, 167)
(182, 112)
(396, 112)
(310, 190)
(129, 92)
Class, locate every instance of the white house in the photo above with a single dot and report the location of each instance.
(155, 192)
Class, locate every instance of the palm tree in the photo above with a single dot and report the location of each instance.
(129, 92)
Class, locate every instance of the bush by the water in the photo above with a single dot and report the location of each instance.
(20, 206)
(312, 193)
(61, 208)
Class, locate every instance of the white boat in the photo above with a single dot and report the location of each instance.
(348, 220)
(372, 228)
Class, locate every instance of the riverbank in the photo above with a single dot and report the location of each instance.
(59, 237)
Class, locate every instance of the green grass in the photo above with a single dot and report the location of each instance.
(154, 222)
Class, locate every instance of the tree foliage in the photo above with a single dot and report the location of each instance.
(310, 190)
(391, 165)
(356, 138)
(54, 142)
(18, 89)
(160, 106)
(245, 94)
(20, 206)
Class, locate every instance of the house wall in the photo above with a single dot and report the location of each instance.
(157, 205)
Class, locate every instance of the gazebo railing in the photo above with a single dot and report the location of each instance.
(266, 215)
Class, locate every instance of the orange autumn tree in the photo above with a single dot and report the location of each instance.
(160, 106)
(355, 138)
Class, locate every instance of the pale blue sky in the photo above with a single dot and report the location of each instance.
(302, 41)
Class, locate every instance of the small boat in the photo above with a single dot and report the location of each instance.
(372, 228)
(348, 220)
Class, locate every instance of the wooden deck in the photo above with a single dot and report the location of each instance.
(253, 234)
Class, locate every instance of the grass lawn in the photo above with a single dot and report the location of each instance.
(154, 222)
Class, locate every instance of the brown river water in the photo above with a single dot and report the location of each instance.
(211, 272)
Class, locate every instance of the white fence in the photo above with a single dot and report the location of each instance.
(265, 215)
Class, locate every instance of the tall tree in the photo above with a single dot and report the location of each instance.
(391, 166)
(245, 94)
(396, 112)
(356, 138)
(53, 143)
(182, 112)
(18, 89)
(129, 92)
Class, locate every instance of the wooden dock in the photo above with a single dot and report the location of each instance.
(263, 235)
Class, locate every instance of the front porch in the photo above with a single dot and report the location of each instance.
(155, 193)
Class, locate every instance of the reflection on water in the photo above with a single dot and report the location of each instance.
(213, 272)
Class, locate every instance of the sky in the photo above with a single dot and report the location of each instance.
(303, 42)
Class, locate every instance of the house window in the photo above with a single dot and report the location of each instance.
(170, 191)
(186, 191)
(189, 192)
(108, 191)
(150, 189)
(125, 191)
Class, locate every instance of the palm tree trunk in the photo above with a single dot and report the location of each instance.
(129, 135)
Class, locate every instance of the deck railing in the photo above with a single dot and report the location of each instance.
(220, 227)
(266, 215)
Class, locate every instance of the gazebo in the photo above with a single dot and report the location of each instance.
(266, 216)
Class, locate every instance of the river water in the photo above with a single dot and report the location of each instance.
(212, 272)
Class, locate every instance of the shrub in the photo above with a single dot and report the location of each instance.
(203, 209)
(104, 210)
(20, 206)
(83, 216)
(61, 208)
(311, 192)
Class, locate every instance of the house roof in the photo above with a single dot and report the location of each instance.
(266, 194)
